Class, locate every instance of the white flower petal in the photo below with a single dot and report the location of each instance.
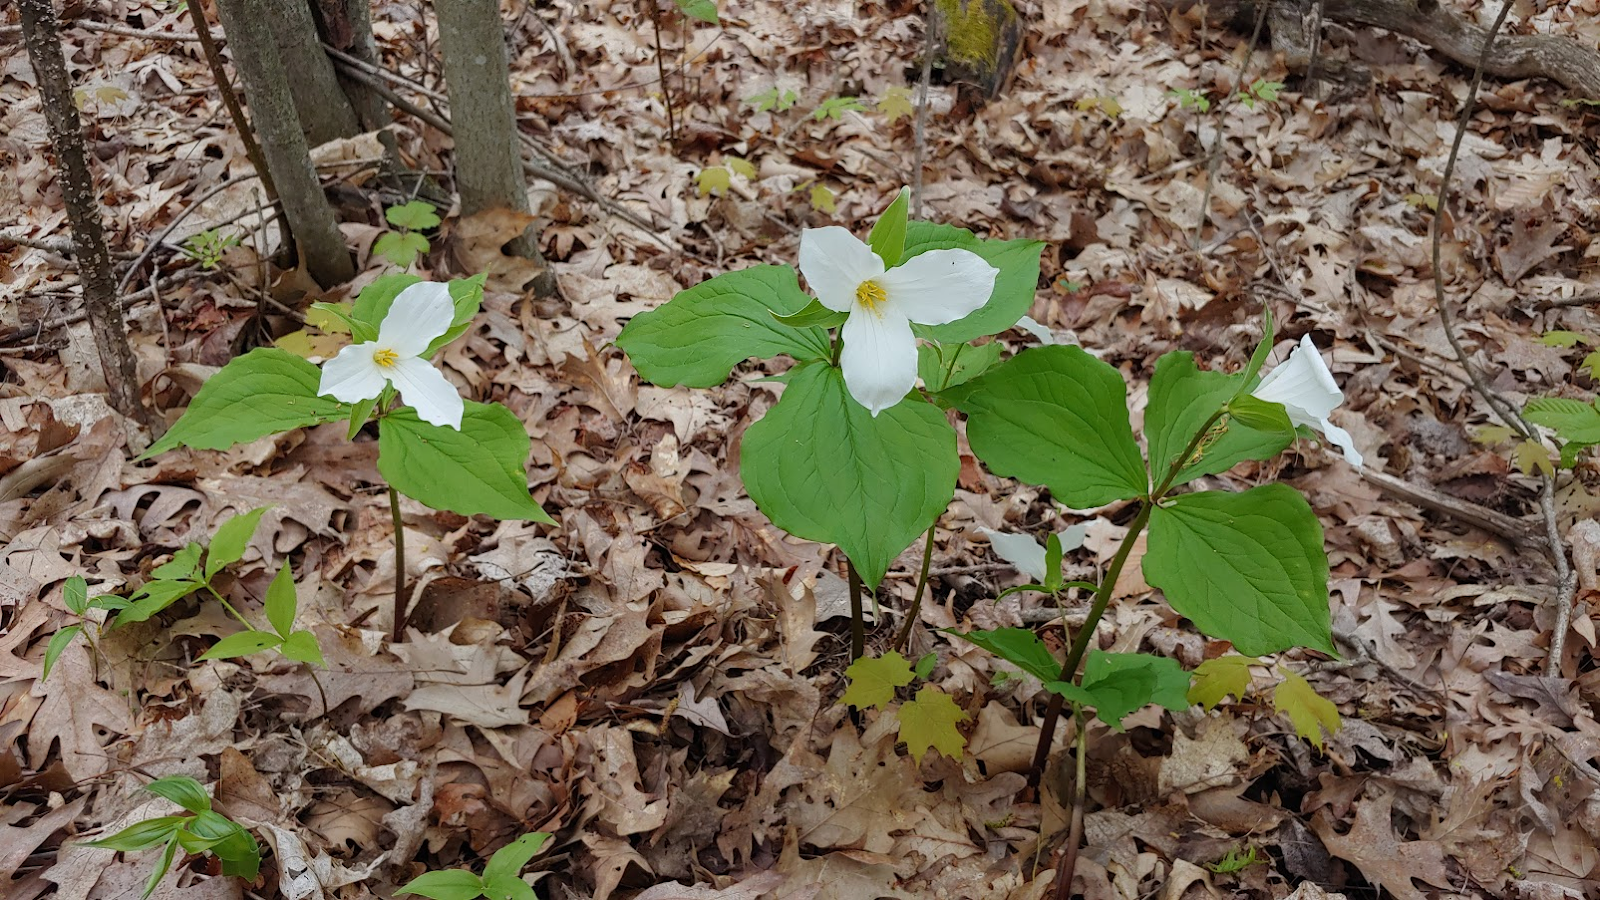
(835, 262)
(419, 314)
(1020, 550)
(1341, 439)
(939, 286)
(424, 388)
(879, 358)
(1303, 385)
(352, 376)
(1044, 335)
(1073, 536)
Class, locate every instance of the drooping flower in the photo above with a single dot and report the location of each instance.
(419, 314)
(932, 288)
(1307, 390)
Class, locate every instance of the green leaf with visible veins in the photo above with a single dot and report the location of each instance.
(697, 337)
(1018, 646)
(1248, 568)
(1572, 420)
(823, 468)
(1182, 399)
(265, 391)
(1059, 417)
(479, 469)
(873, 680)
(704, 10)
(929, 722)
(1215, 679)
(301, 646)
(1116, 684)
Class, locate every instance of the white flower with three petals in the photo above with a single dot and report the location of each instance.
(880, 352)
(1308, 392)
(421, 313)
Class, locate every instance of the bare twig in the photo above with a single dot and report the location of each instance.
(1586, 298)
(62, 245)
(1566, 578)
(920, 127)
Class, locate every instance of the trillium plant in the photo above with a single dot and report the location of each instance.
(433, 446)
(856, 454)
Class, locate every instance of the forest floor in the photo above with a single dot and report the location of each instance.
(655, 681)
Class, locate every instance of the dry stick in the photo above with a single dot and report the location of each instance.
(399, 567)
(1566, 577)
(920, 129)
(1215, 160)
(661, 70)
(252, 150)
(83, 210)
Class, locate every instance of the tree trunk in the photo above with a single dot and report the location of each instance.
(320, 102)
(272, 111)
(488, 163)
(99, 285)
(347, 26)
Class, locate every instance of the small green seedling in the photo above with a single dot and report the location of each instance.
(404, 246)
(1260, 90)
(836, 107)
(1189, 98)
(207, 247)
(501, 879)
(203, 831)
(771, 100)
(1234, 861)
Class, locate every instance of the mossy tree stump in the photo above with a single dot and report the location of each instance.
(978, 42)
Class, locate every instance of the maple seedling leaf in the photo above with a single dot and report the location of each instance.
(930, 722)
(1308, 711)
(1215, 679)
(873, 680)
(896, 102)
(741, 166)
(1531, 455)
(713, 180)
(822, 199)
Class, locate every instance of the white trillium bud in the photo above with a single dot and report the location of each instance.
(1306, 388)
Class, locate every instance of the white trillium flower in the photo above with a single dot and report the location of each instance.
(1307, 390)
(932, 288)
(419, 314)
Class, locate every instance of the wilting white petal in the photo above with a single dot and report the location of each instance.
(1044, 335)
(1305, 387)
(352, 376)
(835, 262)
(939, 286)
(1020, 550)
(419, 314)
(1073, 536)
(879, 358)
(424, 388)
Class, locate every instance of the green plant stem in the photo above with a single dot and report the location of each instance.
(1080, 644)
(399, 567)
(1080, 790)
(229, 607)
(1183, 459)
(858, 624)
(916, 601)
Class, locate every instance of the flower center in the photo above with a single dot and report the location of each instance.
(385, 358)
(871, 295)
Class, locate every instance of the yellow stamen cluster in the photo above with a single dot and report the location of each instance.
(385, 357)
(871, 295)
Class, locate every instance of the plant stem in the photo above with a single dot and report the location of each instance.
(1080, 644)
(661, 68)
(858, 624)
(229, 607)
(1080, 790)
(399, 567)
(916, 602)
(1183, 460)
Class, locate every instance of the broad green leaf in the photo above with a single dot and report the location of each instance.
(895, 103)
(333, 318)
(1018, 262)
(822, 199)
(375, 299)
(153, 597)
(160, 871)
(478, 469)
(925, 665)
(400, 248)
(1248, 568)
(265, 391)
(1018, 646)
(510, 859)
(823, 468)
(451, 884)
(75, 594)
(507, 887)
(873, 680)
(1215, 679)
(182, 790)
(1591, 364)
(58, 643)
(1572, 420)
(1055, 416)
(814, 314)
(945, 367)
(929, 722)
(240, 854)
(281, 601)
(704, 10)
(360, 415)
(417, 214)
(701, 334)
(713, 180)
(1563, 338)
(242, 643)
(301, 646)
(206, 830)
(1182, 400)
(1308, 711)
(231, 540)
(142, 835)
(741, 166)
(888, 237)
(1529, 456)
(183, 566)
(1116, 684)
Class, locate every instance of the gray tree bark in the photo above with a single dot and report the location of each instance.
(272, 111)
(347, 26)
(488, 163)
(99, 284)
(319, 100)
